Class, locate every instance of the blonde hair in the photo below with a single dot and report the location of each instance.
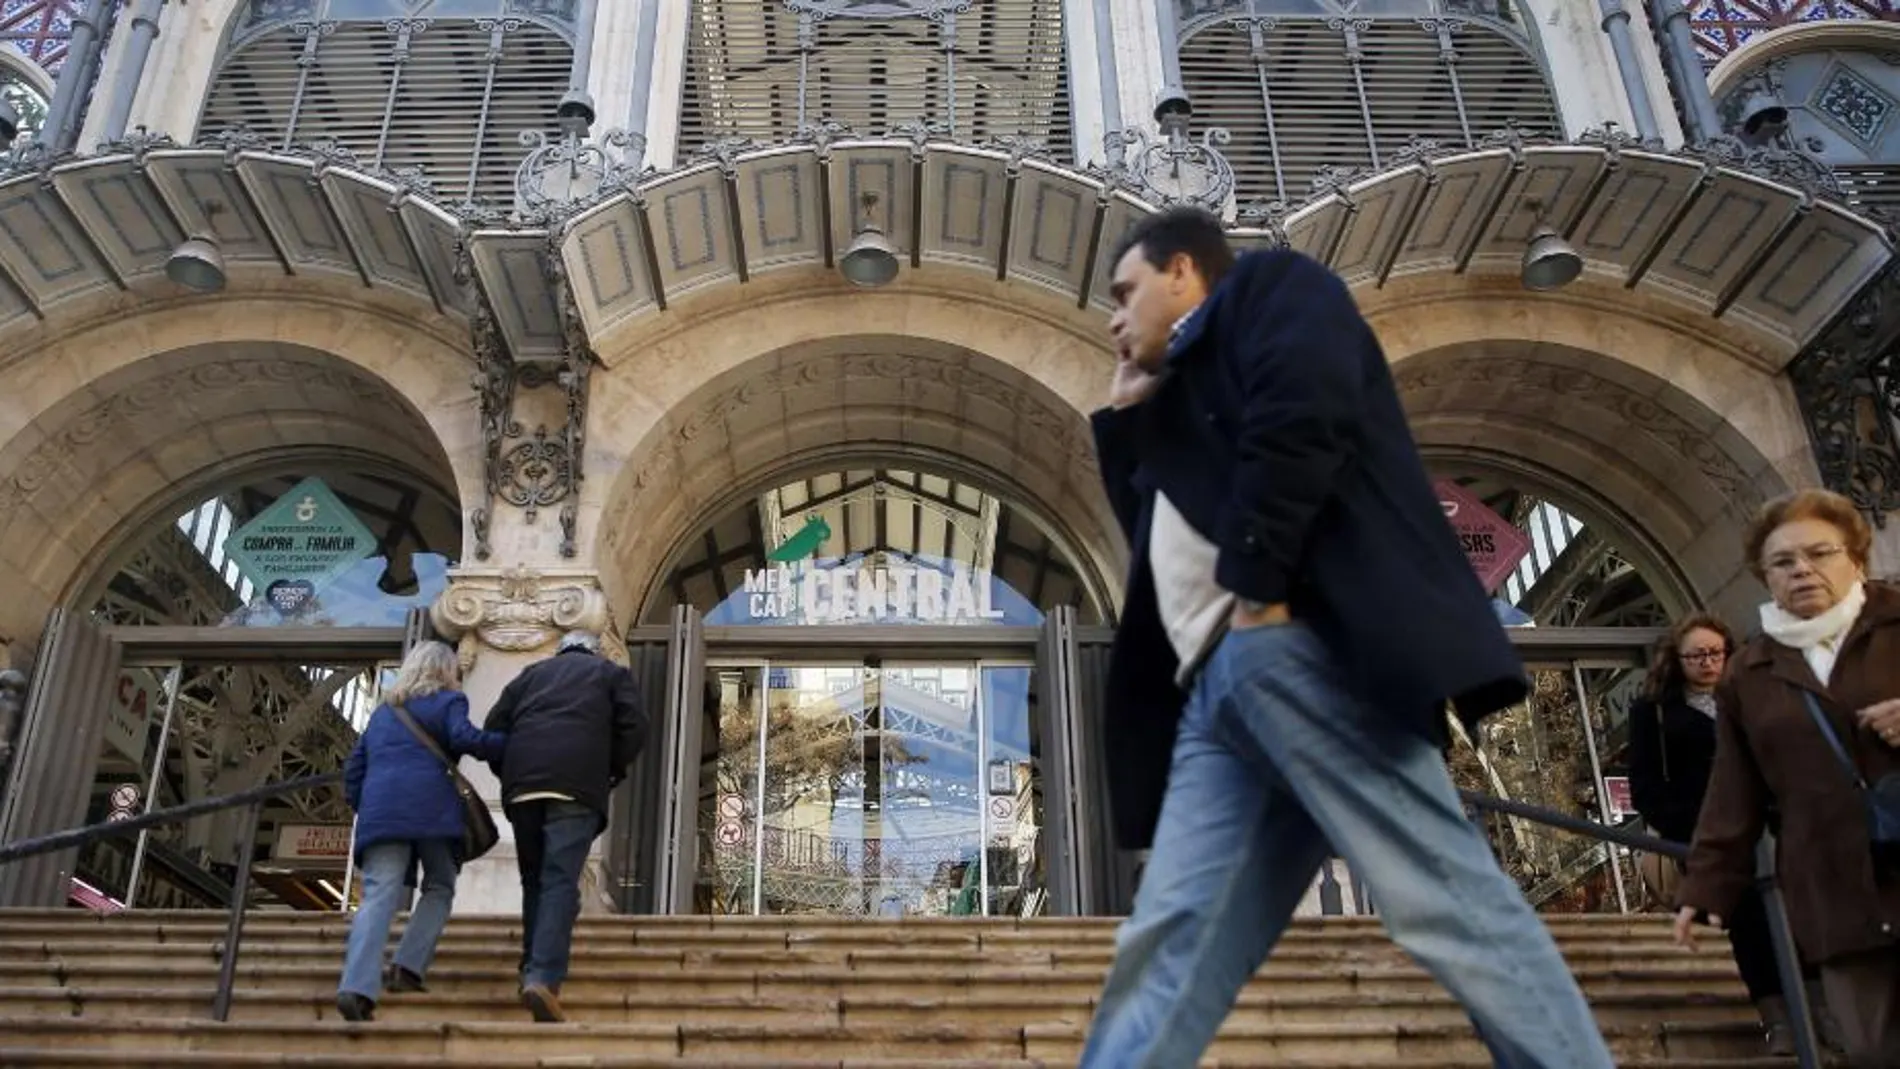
(430, 667)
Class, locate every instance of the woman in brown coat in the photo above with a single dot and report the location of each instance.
(1830, 633)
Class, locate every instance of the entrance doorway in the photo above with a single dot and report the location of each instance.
(867, 788)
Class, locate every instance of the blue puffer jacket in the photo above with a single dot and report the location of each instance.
(399, 790)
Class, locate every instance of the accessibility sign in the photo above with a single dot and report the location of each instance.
(298, 544)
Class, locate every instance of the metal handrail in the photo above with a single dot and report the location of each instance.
(1781, 936)
(253, 800)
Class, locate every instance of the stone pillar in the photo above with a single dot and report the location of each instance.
(502, 620)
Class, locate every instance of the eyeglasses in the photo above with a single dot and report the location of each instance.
(1704, 656)
(1816, 555)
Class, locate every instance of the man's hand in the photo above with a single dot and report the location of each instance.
(1249, 615)
(1132, 385)
(1883, 719)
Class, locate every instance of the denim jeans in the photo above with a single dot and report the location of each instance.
(552, 839)
(1276, 765)
(386, 868)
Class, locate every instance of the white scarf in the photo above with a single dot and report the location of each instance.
(1817, 637)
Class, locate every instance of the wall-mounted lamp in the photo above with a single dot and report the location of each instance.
(1549, 262)
(197, 263)
(870, 261)
(1764, 116)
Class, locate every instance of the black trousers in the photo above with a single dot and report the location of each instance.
(1754, 947)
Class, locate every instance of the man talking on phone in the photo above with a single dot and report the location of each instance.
(1297, 616)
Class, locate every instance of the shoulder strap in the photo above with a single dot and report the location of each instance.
(1833, 740)
(423, 737)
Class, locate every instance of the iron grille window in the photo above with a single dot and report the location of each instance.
(1301, 94)
(450, 96)
(759, 68)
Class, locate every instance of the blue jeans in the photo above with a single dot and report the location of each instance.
(386, 868)
(1277, 764)
(551, 843)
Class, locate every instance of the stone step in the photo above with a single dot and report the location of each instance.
(658, 931)
(111, 1059)
(455, 948)
(871, 1009)
(1338, 1042)
(495, 978)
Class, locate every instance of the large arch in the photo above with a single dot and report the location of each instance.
(761, 389)
(106, 426)
(1661, 436)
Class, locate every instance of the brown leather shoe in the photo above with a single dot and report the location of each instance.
(543, 1003)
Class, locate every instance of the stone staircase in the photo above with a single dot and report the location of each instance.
(135, 991)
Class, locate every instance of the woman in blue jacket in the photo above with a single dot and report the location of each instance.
(407, 813)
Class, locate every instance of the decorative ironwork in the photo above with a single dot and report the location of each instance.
(137, 144)
(1175, 169)
(562, 177)
(1788, 164)
(1848, 385)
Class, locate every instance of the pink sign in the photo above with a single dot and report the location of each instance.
(1491, 543)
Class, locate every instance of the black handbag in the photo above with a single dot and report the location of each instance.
(1882, 799)
(479, 834)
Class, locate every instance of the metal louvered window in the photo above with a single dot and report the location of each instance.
(763, 69)
(1299, 94)
(449, 96)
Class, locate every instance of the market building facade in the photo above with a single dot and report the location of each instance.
(760, 337)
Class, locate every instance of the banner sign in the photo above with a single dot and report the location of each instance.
(906, 593)
(297, 545)
(1492, 544)
(312, 842)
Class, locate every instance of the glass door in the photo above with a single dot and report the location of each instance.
(853, 789)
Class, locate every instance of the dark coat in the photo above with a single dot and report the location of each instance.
(1279, 436)
(400, 791)
(1672, 750)
(574, 724)
(1769, 750)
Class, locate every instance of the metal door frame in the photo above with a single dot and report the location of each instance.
(53, 766)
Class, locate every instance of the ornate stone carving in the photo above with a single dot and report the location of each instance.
(519, 610)
(1675, 434)
(53, 459)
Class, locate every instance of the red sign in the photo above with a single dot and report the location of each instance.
(1618, 788)
(1492, 544)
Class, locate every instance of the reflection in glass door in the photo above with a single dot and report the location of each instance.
(896, 791)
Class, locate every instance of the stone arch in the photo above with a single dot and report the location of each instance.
(995, 391)
(1637, 427)
(106, 426)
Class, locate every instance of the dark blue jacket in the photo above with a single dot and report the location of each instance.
(400, 791)
(1279, 436)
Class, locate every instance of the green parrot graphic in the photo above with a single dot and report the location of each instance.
(805, 543)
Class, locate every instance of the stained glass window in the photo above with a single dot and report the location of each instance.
(39, 28)
(1722, 26)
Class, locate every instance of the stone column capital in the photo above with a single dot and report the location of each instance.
(522, 610)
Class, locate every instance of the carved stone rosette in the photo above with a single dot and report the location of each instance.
(520, 610)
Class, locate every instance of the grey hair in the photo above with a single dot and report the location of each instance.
(579, 640)
(430, 667)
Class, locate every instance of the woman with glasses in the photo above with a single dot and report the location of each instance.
(1672, 748)
(1824, 673)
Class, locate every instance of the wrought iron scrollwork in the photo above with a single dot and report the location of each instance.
(1172, 169)
(564, 176)
(543, 468)
(1848, 385)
